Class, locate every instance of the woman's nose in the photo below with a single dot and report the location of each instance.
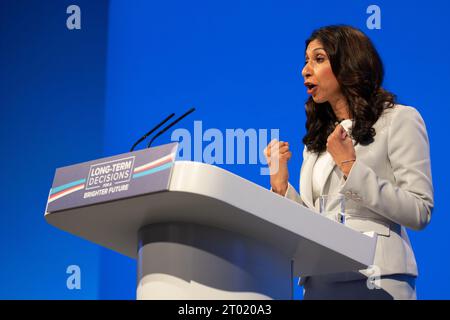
(306, 71)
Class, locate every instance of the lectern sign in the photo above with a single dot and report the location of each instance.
(114, 172)
(112, 178)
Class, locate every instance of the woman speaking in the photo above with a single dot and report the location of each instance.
(363, 145)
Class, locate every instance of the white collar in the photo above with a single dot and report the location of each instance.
(346, 124)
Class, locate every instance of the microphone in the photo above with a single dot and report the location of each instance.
(151, 131)
(170, 126)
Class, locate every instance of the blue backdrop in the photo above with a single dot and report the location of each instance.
(73, 95)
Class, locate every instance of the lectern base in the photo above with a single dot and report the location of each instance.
(188, 261)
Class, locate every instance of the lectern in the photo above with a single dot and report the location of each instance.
(198, 231)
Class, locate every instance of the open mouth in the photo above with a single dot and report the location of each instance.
(311, 88)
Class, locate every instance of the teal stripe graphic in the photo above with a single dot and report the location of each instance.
(67, 185)
(153, 170)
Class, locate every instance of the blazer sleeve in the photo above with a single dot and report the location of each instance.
(408, 201)
(292, 194)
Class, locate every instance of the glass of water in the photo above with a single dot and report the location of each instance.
(332, 206)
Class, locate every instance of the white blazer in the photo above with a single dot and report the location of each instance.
(388, 188)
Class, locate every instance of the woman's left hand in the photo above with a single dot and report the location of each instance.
(340, 146)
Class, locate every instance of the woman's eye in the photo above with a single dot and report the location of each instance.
(320, 59)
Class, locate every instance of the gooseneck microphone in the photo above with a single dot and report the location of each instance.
(170, 126)
(151, 131)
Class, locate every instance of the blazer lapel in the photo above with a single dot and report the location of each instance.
(327, 171)
(306, 179)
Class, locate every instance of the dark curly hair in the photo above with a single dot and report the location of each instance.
(359, 71)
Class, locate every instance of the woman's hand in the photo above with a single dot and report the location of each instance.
(277, 154)
(340, 147)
